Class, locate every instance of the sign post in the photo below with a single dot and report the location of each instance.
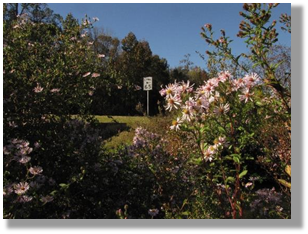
(147, 86)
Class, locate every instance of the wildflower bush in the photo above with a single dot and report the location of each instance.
(46, 79)
(241, 124)
(226, 117)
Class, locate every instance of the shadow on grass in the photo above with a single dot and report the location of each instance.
(108, 130)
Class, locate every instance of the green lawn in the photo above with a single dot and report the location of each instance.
(119, 130)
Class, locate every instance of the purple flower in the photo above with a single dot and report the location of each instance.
(35, 170)
(21, 188)
(38, 88)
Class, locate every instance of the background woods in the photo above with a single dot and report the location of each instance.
(77, 143)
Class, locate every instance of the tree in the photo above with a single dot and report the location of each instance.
(36, 12)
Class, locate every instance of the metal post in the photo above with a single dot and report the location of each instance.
(148, 112)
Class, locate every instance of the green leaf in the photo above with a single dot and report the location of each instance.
(243, 173)
(64, 186)
(221, 129)
(237, 58)
(196, 161)
(54, 192)
(184, 203)
(285, 183)
(259, 103)
(231, 179)
(288, 170)
(236, 158)
(185, 213)
(228, 158)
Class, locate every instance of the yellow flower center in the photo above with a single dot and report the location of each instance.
(185, 111)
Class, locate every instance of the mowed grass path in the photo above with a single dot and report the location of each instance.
(118, 130)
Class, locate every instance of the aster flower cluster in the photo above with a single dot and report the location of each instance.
(143, 137)
(266, 200)
(153, 212)
(22, 20)
(83, 134)
(155, 151)
(145, 142)
(206, 99)
(18, 150)
(212, 150)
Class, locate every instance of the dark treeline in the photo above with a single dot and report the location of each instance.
(123, 64)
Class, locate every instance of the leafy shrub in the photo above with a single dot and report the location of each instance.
(226, 116)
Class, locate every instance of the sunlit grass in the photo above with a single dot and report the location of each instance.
(122, 128)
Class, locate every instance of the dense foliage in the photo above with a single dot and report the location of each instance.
(227, 153)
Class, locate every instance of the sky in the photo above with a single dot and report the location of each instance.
(172, 30)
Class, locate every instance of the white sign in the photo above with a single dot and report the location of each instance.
(147, 83)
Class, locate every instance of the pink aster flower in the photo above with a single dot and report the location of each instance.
(190, 104)
(94, 75)
(95, 19)
(35, 170)
(237, 84)
(24, 199)
(213, 82)
(13, 124)
(38, 88)
(55, 90)
(34, 185)
(153, 212)
(9, 189)
(221, 40)
(6, 150)
(171, 90)
(246, 95)
(185, 87)
(208, 89)
(47, 199)
(86, 22)
(209, 153)
(222, 140)
(86, 74)
(37, 145)
(137, 87)
(173, 101)
(251, 79)
(208, 26)
(224, 76)
(162, 92)
(22, 159)
(186, 114)
(222, 109)
(21, 188)
(176, 124)
(248, 184)
(201, 104)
